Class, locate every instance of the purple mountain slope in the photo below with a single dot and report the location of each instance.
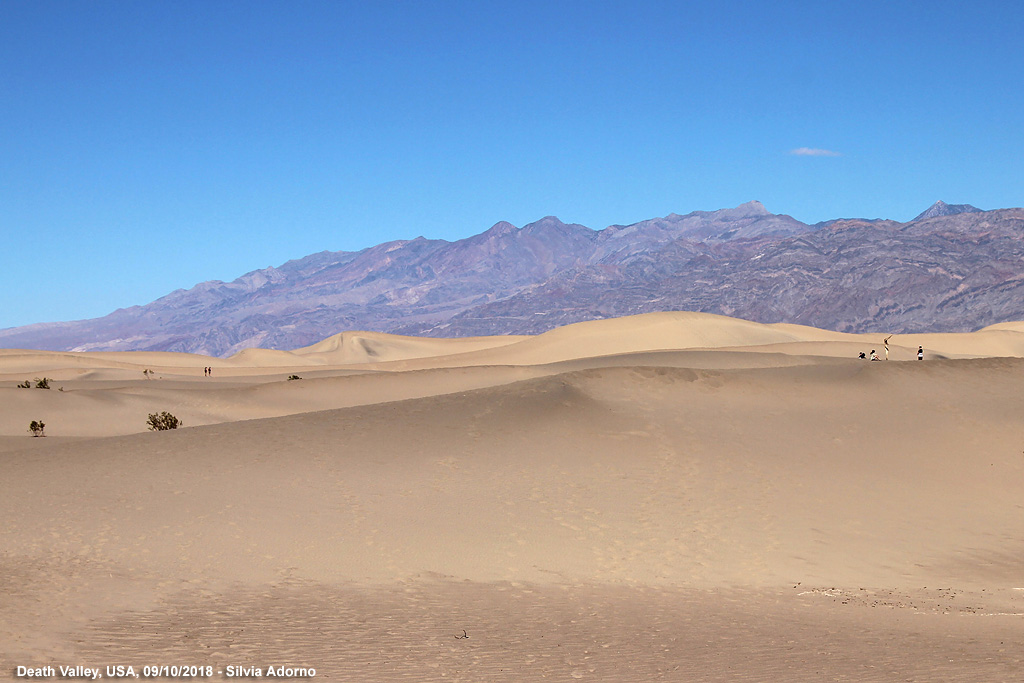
(958, 274)
(954, 272)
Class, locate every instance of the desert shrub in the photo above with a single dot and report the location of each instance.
(37, 427)
(293, 377)
(43, 383)
(25, 385)
(159, 422)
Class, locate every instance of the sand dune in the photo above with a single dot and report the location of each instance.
(371, 347)
(1016, 326)
(666, 497)
(680, 330)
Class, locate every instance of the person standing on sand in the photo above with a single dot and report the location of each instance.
(886, 342)
(920, 353)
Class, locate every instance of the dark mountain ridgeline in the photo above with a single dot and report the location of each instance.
(954, 268)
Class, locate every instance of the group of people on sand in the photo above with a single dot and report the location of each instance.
(207, 372)
(874, 355)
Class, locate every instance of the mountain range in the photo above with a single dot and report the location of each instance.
(952, 268)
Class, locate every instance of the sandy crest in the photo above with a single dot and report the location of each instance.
(767, 510)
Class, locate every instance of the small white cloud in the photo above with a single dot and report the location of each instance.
(810, 152)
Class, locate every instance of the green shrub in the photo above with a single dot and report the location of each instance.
(159, 422)
(43, 383)
(37, 427)
(25, 385)
(293, 377)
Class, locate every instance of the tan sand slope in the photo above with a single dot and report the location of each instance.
(355, 348)
(371, 347)
(634, 334)
(707, 463)
(768, 510)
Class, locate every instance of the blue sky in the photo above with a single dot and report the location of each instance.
(148, 146)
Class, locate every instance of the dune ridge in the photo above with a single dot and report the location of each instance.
(632, 334)
(107, 393)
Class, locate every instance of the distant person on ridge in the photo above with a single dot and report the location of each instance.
(874, 356)
(920, 353)
(862, 356)
(886, 342)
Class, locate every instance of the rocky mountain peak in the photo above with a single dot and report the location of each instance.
(941, 208)
(546, 223)
(752, 208)
(500, 228)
